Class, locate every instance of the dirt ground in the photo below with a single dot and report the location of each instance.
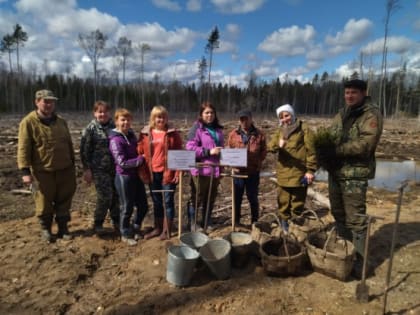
(92, 275)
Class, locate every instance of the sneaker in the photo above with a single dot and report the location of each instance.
(138, 236)
(64, 235)
(129, 241)
(46, 235)
(63, 231)
(285, 226)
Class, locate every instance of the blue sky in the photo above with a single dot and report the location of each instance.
(274, 38)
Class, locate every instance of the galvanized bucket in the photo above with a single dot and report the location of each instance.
(195, 240)
(181, 264)
(216, 255)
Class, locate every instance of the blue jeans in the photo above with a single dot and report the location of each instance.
(251, 185)
(132, 194)
(157, 197)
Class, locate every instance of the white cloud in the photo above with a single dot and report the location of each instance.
(44, 8)
(194, 5)
(232, 31)
(237, 6)
(395, 44)
(82, 21)
(355, 31)
(346, 70)
(167, 5)
(226, 46)
(289, 41)
(161, 41)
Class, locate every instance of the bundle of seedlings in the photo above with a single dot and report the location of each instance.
(325, 142)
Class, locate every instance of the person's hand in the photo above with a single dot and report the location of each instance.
(87, 176)
(27, 179)
(215, 150)
(309, 178)
(282, 142)
(175, 180)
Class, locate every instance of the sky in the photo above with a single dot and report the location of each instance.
(286, 39)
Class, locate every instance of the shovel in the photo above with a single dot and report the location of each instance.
(394, 239)
(362, 289)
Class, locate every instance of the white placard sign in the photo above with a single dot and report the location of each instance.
(181, 159)
(233, 157)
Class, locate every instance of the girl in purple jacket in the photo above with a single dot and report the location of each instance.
(206, 139)
(131, 191)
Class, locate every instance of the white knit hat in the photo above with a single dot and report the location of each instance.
(286, 108)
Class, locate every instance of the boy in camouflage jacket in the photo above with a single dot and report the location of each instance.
(98, 165)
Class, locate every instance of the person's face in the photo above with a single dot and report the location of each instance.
(285, 118)
(245, 122)
(45, 107)
(123, 124)
(160, 121)
(102, 115)
(353, 96)
(208, 115)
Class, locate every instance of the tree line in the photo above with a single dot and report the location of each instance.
(319, 97)
(399, 91)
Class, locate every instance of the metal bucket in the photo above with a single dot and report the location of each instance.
(216, 255)
(181, 264)
(195, 240)
(241, 248)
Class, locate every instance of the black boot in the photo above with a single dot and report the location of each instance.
(63, 231)
(46, 222)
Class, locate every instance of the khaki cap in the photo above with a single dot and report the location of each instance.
(45, 94)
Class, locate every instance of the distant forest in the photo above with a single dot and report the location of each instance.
(322, 96)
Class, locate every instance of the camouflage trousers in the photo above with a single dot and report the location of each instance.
(106, 198)
(348, 199)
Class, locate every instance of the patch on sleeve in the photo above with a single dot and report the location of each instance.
(373, 124)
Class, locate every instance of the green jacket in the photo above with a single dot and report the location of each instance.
(296, 158)
(44, 147)
(356, 147)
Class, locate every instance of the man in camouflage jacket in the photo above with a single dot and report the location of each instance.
(358, 128)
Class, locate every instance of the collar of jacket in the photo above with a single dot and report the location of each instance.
(252, 131)
(146, 129)
(109, 124)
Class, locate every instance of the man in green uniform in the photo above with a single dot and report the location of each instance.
(46, 159)
(358, 127)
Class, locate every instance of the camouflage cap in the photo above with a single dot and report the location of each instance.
(45, 94)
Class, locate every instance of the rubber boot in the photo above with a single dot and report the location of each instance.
(167, 227)
(46, 222)
(63, 231)
(344, 232)
(157, 230)
(359, 240)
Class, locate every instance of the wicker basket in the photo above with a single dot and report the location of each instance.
(330, 255)
(282, 256)
(266, 228)
(304, 224)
